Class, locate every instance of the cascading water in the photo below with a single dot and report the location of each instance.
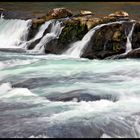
(13, 32)
(76, 48)
(56, 97)
(129, 40)
(128, 44)
(54, 33)
(39, 34)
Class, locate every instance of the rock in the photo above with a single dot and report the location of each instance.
(52, 47)
(107, 41)
(73, 31)
(119, 14)
(134, 54)
(58, 13)
(117, 36)
(136, 36)
(38, 22)
(82, 12)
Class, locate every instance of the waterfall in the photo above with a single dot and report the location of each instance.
(129, 39)
(38, 35)
(54, 33)
(13, 32)
(76, 48)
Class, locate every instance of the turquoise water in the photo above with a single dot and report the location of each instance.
(58, 96)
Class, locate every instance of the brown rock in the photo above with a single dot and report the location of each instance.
(119, 14)
(134, 54)
(59, 13)
(83, 12)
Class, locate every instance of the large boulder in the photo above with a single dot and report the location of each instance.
(92, 21)
(134, 54)
(83, 12)
(107, 41)
(73, 31)
(58, 13)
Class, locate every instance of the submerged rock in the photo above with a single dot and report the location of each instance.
(108, 40)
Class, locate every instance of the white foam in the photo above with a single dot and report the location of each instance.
(129, 39)
(54, 33)
(13, 32)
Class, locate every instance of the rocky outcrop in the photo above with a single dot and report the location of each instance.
(58, 13)
(83, 12)
(72, 32)
(119, 14)
(107, 41)
(133, 54)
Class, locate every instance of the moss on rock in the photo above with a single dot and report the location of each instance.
(72, 32)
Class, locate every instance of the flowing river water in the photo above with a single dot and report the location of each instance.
(63, 96)
(56, 96)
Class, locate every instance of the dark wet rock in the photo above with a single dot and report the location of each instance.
(80, 95)
(136, 36)
(53, 47)
(134, 54)
(107, 41)
(33, 83)
(73, 31)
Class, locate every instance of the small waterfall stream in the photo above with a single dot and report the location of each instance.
(38, 35)
(129, 40)
(76, 48)
(54, 33)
